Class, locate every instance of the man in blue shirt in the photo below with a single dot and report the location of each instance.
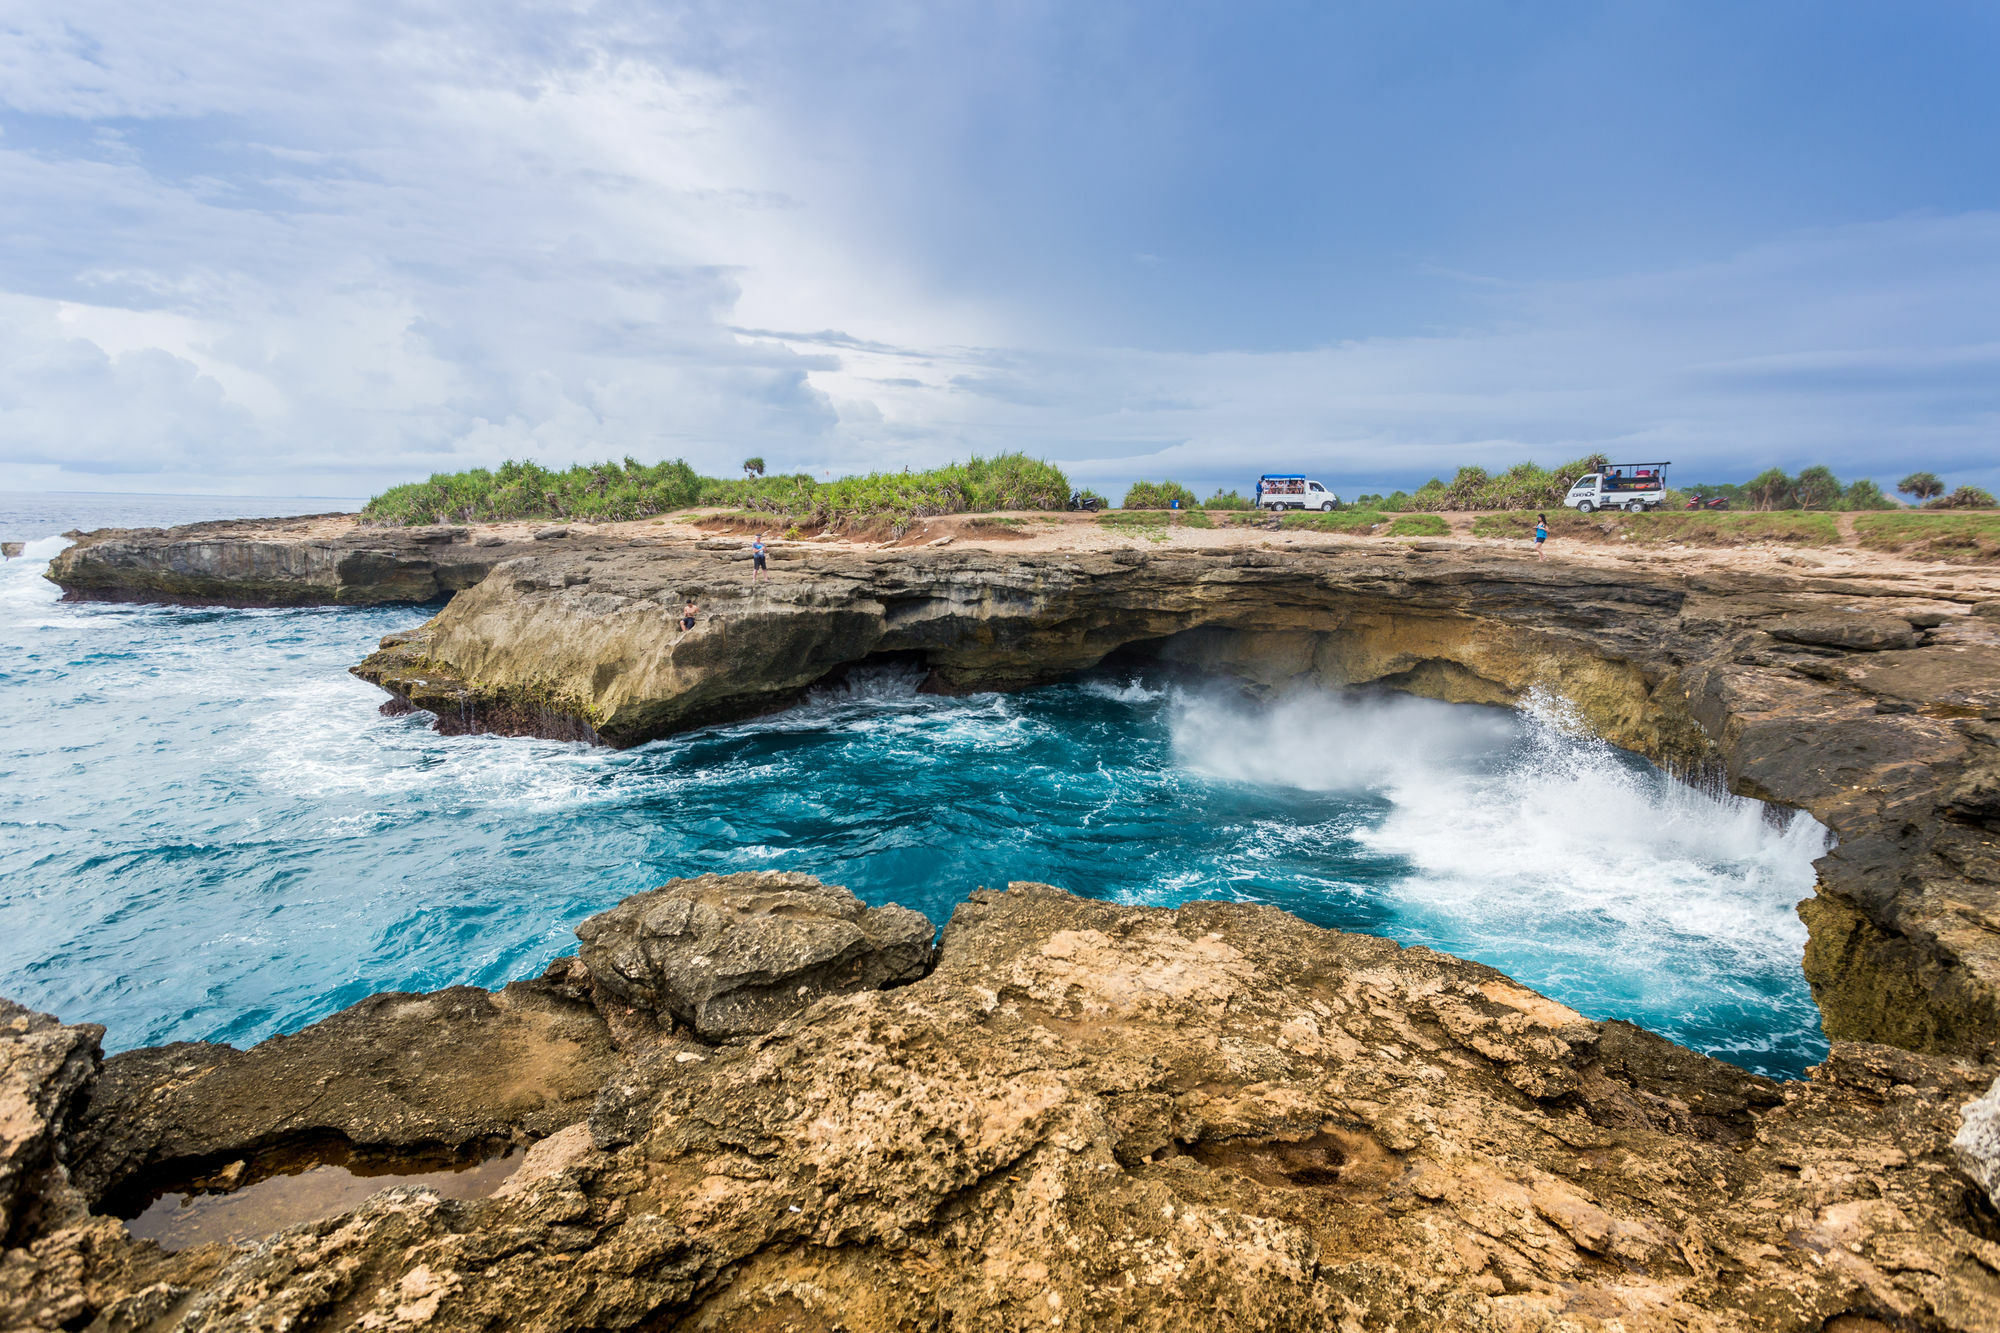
(757, 556)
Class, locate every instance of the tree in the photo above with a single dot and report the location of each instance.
(753, 467)
(1923, 485)
(1772, 489)
(1865, 494)
(1817, 488)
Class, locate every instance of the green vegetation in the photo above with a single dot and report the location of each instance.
(1134, 518)
(1956, 538)
(1773, 490)
(1696, 529)
(1158, 495)
(610, 492)
(1965, 497)
(1923, 485)
(1356, 522)
(1419, 525)
(1522, 486)
(1195, 518)
(1225, 500)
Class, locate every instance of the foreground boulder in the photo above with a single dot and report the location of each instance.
(45, 1065)
(1094, 1116)
(734, 955)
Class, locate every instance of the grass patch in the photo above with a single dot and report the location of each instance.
(1194, 518)
(1418, 525)
(1793, 528)
(1354, 522)
(1129, 519)
(1963, 539)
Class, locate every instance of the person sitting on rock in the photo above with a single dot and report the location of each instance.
(687, 616)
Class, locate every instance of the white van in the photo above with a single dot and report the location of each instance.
(1294, 490)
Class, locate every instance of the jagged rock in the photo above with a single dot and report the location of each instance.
(1990, 610)
(735, 955)
(551, 533)
(1859, 633)
(45, 1066)
(445, 1069)
(244, 562)
(1977, 1144)
(436, 536)
(1133, 1118)
(12, 550)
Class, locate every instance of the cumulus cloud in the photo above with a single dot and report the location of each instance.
(313, 250)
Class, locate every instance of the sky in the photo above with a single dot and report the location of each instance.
(318, 249)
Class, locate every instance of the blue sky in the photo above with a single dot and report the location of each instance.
(316, 249)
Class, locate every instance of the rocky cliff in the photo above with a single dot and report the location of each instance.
(1087, 1116)
(320, 559)
(1871, 704)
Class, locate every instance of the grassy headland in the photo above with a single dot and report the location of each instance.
(609, 492)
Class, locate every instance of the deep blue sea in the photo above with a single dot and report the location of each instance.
(208, 832)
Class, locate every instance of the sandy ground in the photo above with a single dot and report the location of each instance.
(1042, 532)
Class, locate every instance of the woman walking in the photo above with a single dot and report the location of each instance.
(1541, 533)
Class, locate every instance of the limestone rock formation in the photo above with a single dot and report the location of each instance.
(1870, 704)
(1093, 1116)
(44, 1067)
(446, 1070)
(735, 955)
(1977, 1146)
(237, 562)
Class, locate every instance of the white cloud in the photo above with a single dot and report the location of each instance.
(299, 249)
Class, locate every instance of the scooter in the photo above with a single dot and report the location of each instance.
(1088, 504)
(1719, 502)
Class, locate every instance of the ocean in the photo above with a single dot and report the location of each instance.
(209, 832)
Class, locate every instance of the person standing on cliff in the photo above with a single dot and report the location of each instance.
(687, 615)
(1541, 533)
(757, 556)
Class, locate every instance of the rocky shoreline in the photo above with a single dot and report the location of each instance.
(1088, 1114)
(1083, 1115)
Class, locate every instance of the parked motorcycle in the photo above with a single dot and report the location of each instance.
(1719, 502)
(1088, 504)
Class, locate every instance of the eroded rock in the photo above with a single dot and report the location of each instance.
(1094, 1116)
(1977, 1145)
(45, 1066)
(1862, 633)
(735, 955)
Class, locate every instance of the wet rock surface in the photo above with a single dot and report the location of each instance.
(734, 955)
(1096, 1116)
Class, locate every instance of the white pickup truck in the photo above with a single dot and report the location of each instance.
(1633, 487)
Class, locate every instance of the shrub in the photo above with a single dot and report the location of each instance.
(1225, 500)
(611, 492)
(1965, 497)
(1522, 486)
(1158, 495)
(1865, 494)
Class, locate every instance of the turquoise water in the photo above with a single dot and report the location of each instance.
(208, 832)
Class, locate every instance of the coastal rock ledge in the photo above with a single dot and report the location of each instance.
(1086, 1116)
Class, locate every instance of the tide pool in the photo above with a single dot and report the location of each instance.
(207, 831)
